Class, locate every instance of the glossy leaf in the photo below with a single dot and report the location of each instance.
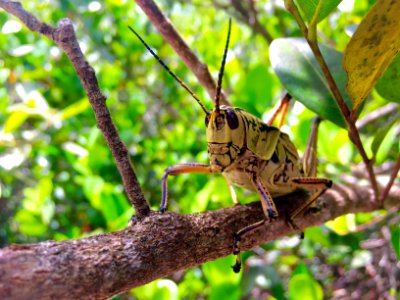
(388, 86)
(298, 70)
(308, 7)
(372, 48)
(395, 238)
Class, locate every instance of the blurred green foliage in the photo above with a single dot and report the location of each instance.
(59, 180)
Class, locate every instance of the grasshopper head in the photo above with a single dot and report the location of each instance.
(225, 135)
(221, 124)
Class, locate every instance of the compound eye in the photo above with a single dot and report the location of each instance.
(207, 120)
(232, 119)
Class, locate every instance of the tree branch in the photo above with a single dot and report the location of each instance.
(249, 15)
(167, 30)
(104, 265)
(64, 37)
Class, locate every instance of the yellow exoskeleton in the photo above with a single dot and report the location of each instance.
(251, 154)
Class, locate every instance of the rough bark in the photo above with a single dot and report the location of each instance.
(104, 265)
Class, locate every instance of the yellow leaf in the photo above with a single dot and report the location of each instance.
(342, 225)
(15, 120)
(371, 49)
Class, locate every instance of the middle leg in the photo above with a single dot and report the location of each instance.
(270, 213)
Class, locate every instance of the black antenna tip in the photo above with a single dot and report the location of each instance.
(221, 70)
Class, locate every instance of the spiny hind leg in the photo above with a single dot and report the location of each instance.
(180, 169)
(282, 108)
(310, 160)
(310, 182)
(270, 213)
(316, 186)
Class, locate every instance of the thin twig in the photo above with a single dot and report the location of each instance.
(377, 114)
(64, 37)
(393, 176)
(167, 30)
(250, 17)
(392, 212)
(349, 118)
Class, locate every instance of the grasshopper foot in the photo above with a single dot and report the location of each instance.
(272, 215)
(236, 267)
(236, 251)
(294, 227)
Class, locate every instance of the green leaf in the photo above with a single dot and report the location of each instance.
(298, 70)
(372, 48)
(228, 291)
(224, 281)
(395, 238)
(258, 85)
(215, 271)
(162, 289)
(30, 224)
(303, 286)
(36, 197)
(381, 134)
(113, 205)
(93, 187)
(388, 145)
(308, 7)
(317, 235)
(388, 86)
(301, 268)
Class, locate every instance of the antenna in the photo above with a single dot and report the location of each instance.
(221, 70)
(180, 81)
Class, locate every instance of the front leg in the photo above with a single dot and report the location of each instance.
(180, 169)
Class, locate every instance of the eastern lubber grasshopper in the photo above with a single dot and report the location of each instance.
(251, 154)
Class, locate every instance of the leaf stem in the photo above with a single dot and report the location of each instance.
(311, 37)
(312, 27)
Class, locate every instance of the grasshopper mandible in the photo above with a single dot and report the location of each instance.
(251, 154)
